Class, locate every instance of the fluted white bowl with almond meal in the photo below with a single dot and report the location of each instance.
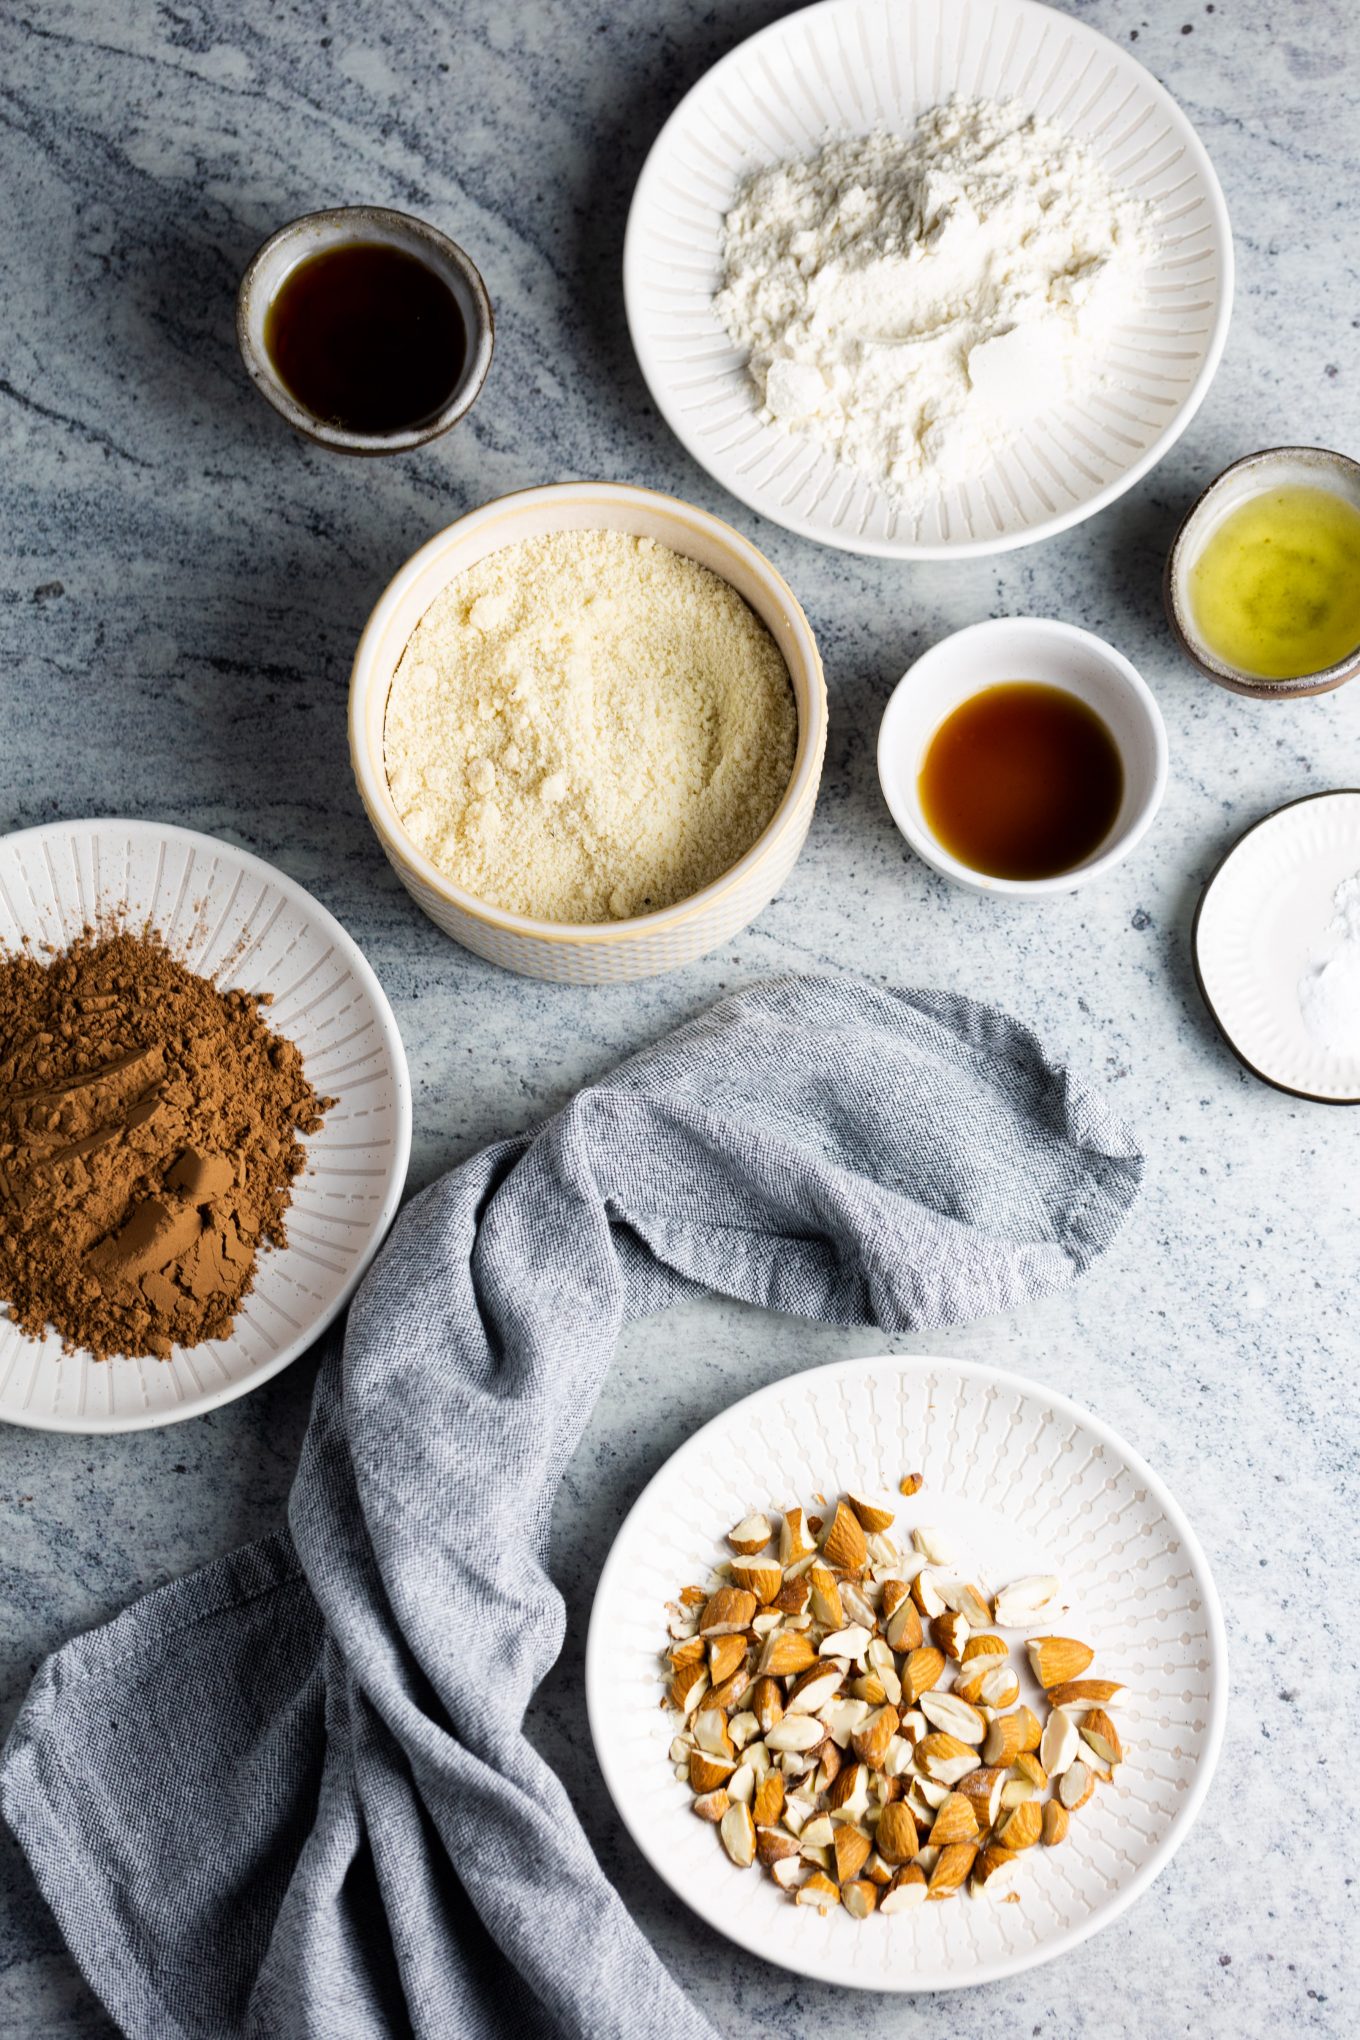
(590, 952)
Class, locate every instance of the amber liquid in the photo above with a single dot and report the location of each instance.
(366, 337)
(1021, 781)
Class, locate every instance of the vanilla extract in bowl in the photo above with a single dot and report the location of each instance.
(366, 337)
(1021, 781)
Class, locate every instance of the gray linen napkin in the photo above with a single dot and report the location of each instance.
(290, 1797)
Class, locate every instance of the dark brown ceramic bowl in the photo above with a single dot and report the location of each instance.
(1276, 466)
(307, 236)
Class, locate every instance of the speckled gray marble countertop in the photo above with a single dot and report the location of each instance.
(182, 585)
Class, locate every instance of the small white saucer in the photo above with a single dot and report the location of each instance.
(1263, 922)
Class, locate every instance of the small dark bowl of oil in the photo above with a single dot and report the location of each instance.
(1022, 756)
(368, 330)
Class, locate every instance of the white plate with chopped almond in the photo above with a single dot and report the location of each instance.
(906, 1674)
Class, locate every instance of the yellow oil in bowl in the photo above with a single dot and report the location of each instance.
(1276, 590)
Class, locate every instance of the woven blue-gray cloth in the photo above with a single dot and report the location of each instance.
(290, 1797)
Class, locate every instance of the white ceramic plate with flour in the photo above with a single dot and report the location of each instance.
(1020, 1480)
(1277, 948)
(851, 67)
(233, 918)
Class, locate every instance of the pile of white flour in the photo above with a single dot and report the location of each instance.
(909, 301)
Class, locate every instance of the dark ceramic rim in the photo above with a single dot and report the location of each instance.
(413, 233)
(1309, 1097)
(1233, 678)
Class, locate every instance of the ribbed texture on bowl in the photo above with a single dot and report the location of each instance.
(610, 952)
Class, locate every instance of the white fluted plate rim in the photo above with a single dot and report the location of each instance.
(223, 908)
(847, 66)
(870, 1421)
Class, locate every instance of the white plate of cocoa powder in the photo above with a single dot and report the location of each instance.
(340, 1118)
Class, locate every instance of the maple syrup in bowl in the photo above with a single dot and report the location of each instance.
(1022, 756)
(370, 331)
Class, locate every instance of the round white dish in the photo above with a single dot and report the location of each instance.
(1023, 648)
(230, 916)
(848, 66)
(1263, 920)
(1021, 1481)
(589, 953)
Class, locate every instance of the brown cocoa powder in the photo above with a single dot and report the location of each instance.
(149, 1138)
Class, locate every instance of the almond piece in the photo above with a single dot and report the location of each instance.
(877, 1871)
(788, 1873)
(1021, 1827)
(908, 1889)
(752, 1534)
(1027, 1766)
(1002, 1745)
(902, 1626)
(983, 1787)
(794, 1542)
(786, 1653)
(725, 1653)
(871, 1688)
(800, 1732)
(844, 1544)
(688, 1685)
(994, 1871)
(925, 1592)
(738, 1833)
(1056, 1658)
(762, 1577)
(711, 1732)
(859, 1898)
(870, 1742)
(951, 1869)
(954, 1716)
(731, 1690)
(693, 1597)
(768, 1804)
(818, 1834)
(944, 1759)
(1076, 1785)
(828, 1765)
(824, 1597)
(767, 1703)
(792, 1597)
(689, 1652)
(1055, 1823)
(968, 1602)
(819, 1891)
(811, 1692)
(1032, 1732)
(922, 1671)
(1016, 1791)
(1097, 1729)
(742, 1784)
(707, 1773)
(843, 1717)
(984, 1646)
(850, 1790)
(950, 1632)
(774, 1845)
(896, 1837)
(712, 1806)
(999, 1688)
(1060, 1743)
(851, 1852)
(873, 1512)
(1084, 1693)
(848, 1643)
(727, 1611)
(1016, 1606)
(933, 1545)
(956, 1821)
